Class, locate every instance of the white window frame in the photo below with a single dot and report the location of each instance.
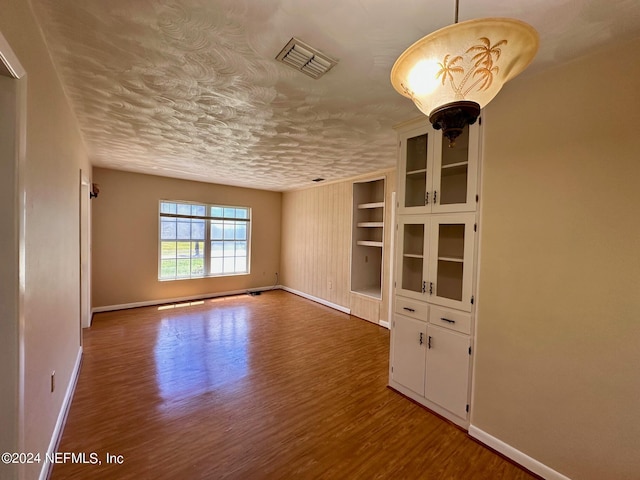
(208, 218)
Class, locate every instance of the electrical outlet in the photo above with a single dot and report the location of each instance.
(53, 381)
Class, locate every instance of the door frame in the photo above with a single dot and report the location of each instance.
(12, 215)
(84, 260)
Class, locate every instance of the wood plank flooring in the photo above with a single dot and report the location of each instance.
(255, 387)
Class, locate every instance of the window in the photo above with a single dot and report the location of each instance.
(199, 240)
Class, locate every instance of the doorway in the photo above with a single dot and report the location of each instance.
(12, 277)
(85, 249)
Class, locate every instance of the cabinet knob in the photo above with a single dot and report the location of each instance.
(408, 309)
(421, 340)
(429, 342)
(447, 320)
(424, 287)
(426, 199)
(435, 196)
(430, 288)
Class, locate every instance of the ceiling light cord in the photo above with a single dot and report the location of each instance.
(456, 12)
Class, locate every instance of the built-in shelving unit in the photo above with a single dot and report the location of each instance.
(368, 237)
(434, 306)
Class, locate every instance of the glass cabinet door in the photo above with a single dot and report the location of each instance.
(416, 164)
(412, 264)
(455, 172)
(451, 258)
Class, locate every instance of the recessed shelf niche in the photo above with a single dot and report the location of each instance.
(367, 237)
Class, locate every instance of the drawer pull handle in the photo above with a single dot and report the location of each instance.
(408, 309)
(447, 320)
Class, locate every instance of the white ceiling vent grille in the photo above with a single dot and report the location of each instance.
(307, 59)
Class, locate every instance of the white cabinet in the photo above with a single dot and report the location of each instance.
(409, 339)
(431, 364)
(447, 369)
(436, 178)
(435, 251)
(435, 258)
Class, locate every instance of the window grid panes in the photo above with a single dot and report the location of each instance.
(199, 240)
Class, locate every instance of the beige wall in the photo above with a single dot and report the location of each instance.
(558, 356)
(316, 241)
(54, 156)
(125, 237)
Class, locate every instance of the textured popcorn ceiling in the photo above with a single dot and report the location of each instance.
(191, 88)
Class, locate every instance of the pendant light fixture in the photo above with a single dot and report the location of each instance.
(454, 72)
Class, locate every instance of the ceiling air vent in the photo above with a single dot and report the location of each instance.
(307, 59)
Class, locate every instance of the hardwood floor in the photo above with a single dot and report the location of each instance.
(254, 387)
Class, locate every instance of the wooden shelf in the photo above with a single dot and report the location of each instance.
(412, 255)
(369, 243)
(371, 205)
(373, 292)
(417, 172)
(367, 237)
(455, 165)
(450, 259)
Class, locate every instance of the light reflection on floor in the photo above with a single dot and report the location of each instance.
(171, 306)
(187, 366)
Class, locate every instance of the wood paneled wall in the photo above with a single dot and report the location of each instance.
(316, 229)
(316, 241)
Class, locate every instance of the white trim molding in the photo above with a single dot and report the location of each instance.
(385, 324)
(62, 417)
(316, 299)
(163, 301)
(516, 455)
(9, 59)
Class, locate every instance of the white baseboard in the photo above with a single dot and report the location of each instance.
(516, 455)
(316, 299)
(123, 306)
(62, 417)
(385, 324)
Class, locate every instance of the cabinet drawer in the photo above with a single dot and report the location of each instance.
(411, 308)
(458, 321)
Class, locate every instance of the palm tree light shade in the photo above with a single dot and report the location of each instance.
(454, 72)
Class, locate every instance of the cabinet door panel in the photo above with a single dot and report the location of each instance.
(447, 370)
(455, 172)
(409, 341)
(452, 246)
(413, 256)
(416, 166)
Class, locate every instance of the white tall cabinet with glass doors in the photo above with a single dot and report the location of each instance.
(435, 250)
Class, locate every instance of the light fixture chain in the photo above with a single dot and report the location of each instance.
(456, 14)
